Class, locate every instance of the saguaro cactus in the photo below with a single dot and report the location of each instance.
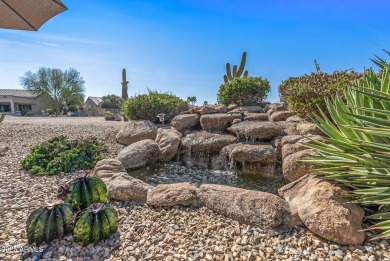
(124, 85)
(237, 73)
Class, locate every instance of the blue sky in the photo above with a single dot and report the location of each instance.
(183, 46)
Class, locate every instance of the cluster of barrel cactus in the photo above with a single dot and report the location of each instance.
(237, 73)
(82, 209)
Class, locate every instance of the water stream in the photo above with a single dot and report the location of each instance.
(176, 172)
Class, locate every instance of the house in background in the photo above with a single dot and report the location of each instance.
(19, 102)
(93, 105)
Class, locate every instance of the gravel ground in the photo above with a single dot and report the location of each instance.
(145, 233)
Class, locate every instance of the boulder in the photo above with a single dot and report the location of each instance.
(288, 128)
(294, 118)
(256, 130)
(169, 195)
(274, 107)
(280, 115)
(126, 188)
(306, 128)
(168, 141)
(324, 211)
(261, 209)
(139, 154)
(232, 107)
(209, 109)
(136, 131)
(185, 121)
(107, 168)
(249, 109)
(290, 139)
(218, 121)
(250, 153)
(249, 116)
(206, 142)
(293, 168)
(235, 121)
(290, 148)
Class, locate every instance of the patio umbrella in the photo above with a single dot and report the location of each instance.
(28, 14)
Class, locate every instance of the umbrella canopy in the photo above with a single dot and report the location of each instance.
(28, 14)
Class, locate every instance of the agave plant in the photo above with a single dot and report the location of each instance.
(357, 152)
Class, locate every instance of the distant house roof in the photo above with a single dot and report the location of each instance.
(18, 93)
(96, 100)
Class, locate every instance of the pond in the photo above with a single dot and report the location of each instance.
(176, 172)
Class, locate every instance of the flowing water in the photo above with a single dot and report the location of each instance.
(176, 172)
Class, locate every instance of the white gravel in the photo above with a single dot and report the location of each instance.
(145, 233)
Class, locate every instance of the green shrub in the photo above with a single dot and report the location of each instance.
(244, 91)
(148, 106)
(303, 94)
(59, 155)
(51, 111)
(73, 108)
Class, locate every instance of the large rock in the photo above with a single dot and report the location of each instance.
(136, 131)
(107, 168)
(250, 153)
(218, 121)
(306, 128)
(185, 121)
(290, 148)
(206, 142)
(139, 154)
(256, 130)
(261, 209)
(168, 141)
(249, 109)
(280, 115)
(126, 188)
(249, 116)
(293, 168)
(288, 128)
(294, 118)
(324, 211)
(168, 195)
(274, 107)
(208, 109)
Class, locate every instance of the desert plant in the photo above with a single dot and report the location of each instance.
(111, 102)
(306, 93)
(237, 73)
(59, 155)
(2, 116)
(96, 223)
(148, 106)
(358, 145)
(83, 191)
(49, 222)
(244, 91)
(73, 108)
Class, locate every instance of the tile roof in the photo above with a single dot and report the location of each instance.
(96, 100)
(18, 93)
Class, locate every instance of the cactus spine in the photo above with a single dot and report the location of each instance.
(124, 85)
(237, 73)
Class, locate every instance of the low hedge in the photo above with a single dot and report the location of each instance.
(303, 94)
(148, 106)
(244, 91)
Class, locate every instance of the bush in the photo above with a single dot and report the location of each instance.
(244, 91)
(148, 106)
(111, 102)
(51, 111)
(73, 108)
(303, 94)
(59, 155)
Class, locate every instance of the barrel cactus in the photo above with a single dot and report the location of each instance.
(51, 221)
(96, 223)
(83, 191)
